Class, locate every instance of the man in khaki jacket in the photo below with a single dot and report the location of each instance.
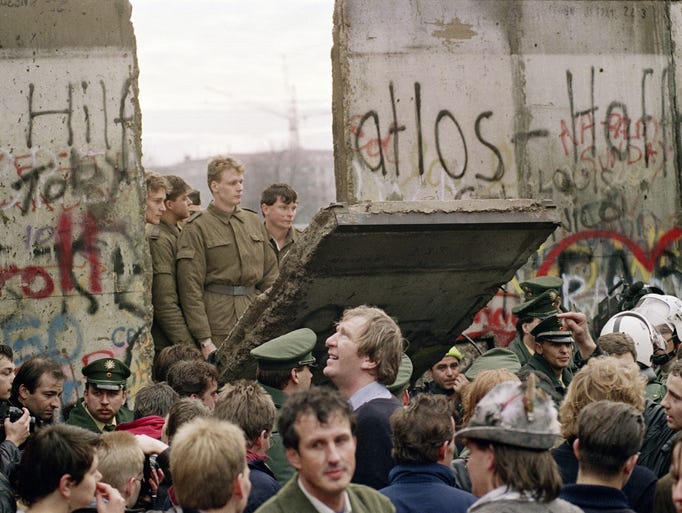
(168, 326)
(223, 258)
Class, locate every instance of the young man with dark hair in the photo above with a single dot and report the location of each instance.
(103, 405)
(250, 407)
(15, 433)
(317, 429)
(609, 437)
(278, 204)
(38, 387)
(423, 446)
(195, 379)
(170, 355)
(152, 403)
(168, 325)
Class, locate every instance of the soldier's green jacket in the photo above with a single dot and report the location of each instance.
(278, 462)
(557, 389)
(520, 350)
(289, 242)
(168, 326)
(81, 418)
(216, 248)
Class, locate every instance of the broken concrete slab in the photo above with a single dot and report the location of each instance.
(430, 264)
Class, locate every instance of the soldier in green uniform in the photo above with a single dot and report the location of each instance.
(542, 298)
(168, 326)
(284, 367)
(278, 204)
(223, 260)
(103, 405)
(563, 344)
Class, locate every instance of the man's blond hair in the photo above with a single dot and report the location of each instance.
(380, 340)
(603, 378)
(248, 405)
(153, 182)
(120, 458)
(207, 456)
(219, 164)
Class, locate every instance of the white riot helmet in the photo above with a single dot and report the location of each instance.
(646, 337)
(660, 309)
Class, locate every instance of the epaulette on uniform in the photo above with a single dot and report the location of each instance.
(194, 216)
(249, 210)
(153, 231)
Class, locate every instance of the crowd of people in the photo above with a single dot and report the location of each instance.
(560, 421)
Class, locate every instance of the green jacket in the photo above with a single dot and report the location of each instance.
(81, 418)
(278, 462)
(555, 388)
(168, 326)
(520, 350)
(220, 249)
(290, 499)
(289, 242)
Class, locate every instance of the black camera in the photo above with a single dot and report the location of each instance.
(7, 411)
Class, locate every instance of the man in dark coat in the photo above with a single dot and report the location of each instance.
(609, 437)
(423, 444)
(364, 357)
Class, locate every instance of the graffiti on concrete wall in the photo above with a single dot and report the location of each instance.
(72, 265)
(604, 153)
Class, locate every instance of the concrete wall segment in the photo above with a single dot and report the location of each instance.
(73, 255)
(571, 101)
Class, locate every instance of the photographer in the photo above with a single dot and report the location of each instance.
(38, 387)
(16, 422)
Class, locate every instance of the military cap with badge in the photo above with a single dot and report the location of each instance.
(107, 374)
(552, 330)
(289, 351)
(541, 297)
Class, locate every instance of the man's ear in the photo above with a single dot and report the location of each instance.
(237, 488)
(538, 347)
(260, 441)
(630, 464)
(576, 448)
(264, 208)
(368, 364)
(294, 458)
(129, 487)
(65, 485)
(443, 449)
(293, 375)
(23, 392)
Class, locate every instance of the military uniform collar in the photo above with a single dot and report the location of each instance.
(224, 216)
(166, 226)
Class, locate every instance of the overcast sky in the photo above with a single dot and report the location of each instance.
(218, 76)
